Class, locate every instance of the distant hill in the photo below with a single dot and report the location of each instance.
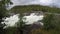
(27, 8)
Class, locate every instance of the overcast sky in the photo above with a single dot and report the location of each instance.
(40, 2)
(45, 2)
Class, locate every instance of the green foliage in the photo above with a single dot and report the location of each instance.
(29, 8)
(42, 31)
(48, 24)
(20, 24)
(18, 29)
(51, 22)
(3, 13)
(12, 30)
(56, 21)
(3, 5)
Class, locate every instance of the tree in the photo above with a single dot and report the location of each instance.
(20, 24)
(3, 13)
(48, 24)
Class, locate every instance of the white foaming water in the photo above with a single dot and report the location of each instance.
(32, 18)
(10, 21)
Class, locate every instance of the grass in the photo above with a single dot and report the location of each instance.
(42, 31)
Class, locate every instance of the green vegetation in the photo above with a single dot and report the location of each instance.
(51, 25)
(3, 13)
(51, 22)
(20, 24)
(29, 8)
(42, 31)
(11, 30)
(18, 29)
(48, 24)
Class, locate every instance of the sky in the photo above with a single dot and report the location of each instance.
(25, 2)
(40, 2)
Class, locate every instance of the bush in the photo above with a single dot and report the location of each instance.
(48, 21)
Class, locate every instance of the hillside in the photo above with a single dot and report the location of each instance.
(21, 9)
